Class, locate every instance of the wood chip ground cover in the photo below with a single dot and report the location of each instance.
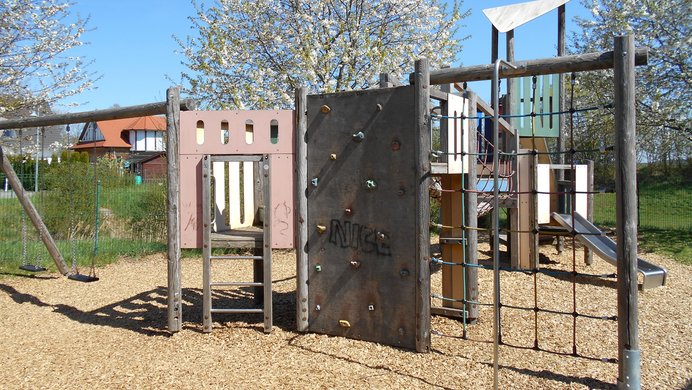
(58, 333)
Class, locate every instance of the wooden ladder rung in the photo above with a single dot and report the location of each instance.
(236, 284)
(236, 311)
(236, 257)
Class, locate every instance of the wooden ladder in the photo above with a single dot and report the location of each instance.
(254, 239)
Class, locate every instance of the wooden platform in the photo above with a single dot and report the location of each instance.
(246, 237)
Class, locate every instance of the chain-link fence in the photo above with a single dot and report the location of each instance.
(664, 207)
(94, 211)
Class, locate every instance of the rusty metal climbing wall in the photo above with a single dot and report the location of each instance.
(362, 198)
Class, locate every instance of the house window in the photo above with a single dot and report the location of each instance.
(141, 145)
(91, 133)
(159, 141)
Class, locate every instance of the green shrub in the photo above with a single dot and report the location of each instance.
(69, 201)
(147, 216)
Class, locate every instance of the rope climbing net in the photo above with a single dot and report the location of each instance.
(484, 186)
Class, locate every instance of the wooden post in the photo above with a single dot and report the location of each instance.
(34, 216)
(173, 173)
(629, 375)
(301, 227)
(384, 80)
(267, 250)
(508, 109)
(494, 49)
(471, 208)
(422, 123)
(451, 215)
(588, 253)
(206, 247)
(258, 193)
(494, 55)
(516, 243)
(495, 101)
(561, 107)
(563, 98)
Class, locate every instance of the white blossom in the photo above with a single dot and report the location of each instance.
(35, 67)
(254, 53)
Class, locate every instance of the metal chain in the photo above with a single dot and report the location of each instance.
(74, 249)
(39, 259)
(24, 239)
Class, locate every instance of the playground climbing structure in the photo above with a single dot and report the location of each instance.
(236, 193)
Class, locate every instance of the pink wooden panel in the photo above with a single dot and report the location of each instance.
(282, 179)
(281, 156)
(190, 201)
(236, 128)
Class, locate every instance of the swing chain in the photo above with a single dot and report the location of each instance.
(24, 239)
(74, 250)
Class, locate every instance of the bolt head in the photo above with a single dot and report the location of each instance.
(359, 136)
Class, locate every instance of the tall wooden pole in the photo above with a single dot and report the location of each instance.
(514, 242)
(301, 224)
(629, 373)
(495, 226)
(509, 46)
(561, 11)
(471, 212)
(563, 98)
(588, 253)
(422, 124)
(495, 45)
(174, 299)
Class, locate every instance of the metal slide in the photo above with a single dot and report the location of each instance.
(606, 248)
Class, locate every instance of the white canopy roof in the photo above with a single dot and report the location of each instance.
(509, 17)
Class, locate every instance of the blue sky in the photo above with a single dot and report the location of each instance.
(132, 47)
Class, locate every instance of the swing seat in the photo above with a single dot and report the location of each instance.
(32, 268)
(82, 278)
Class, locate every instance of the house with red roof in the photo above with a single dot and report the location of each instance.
(137, 141)
(122, 137)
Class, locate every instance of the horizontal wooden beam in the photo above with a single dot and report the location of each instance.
(96, 115)
(553, 65)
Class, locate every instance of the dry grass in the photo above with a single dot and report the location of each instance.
(111, 334)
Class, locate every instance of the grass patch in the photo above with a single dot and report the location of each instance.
(11, 253)
(665, 218)
(672, 243)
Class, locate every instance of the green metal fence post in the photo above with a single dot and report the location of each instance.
(97, 220)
